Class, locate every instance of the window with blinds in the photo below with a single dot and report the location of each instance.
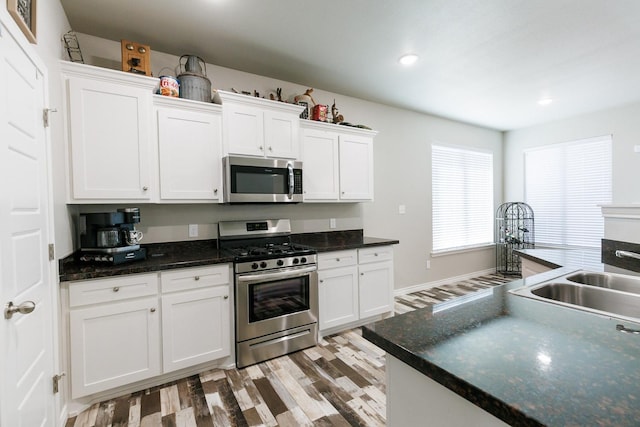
(565, 184)
(462, 198)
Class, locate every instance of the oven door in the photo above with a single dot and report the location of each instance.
(272, 302)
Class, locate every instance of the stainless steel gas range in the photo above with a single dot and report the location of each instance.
(276, 289)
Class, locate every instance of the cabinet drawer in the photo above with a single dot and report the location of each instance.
(195, 278)
(337, 259)
(378, 253)
(112, 289)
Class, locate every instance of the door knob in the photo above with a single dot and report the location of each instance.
(25, 308)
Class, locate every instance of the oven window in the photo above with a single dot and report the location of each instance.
(279, 298)
(254, 180)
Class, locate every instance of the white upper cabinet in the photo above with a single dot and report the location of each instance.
(320, 165)
(356, 167)
(109, 131)
(189, 136)
(337, 163)
(258, 127)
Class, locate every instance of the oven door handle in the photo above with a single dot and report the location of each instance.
(303, 271)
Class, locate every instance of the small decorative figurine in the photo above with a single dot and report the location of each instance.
(337, 118)
(305, 97)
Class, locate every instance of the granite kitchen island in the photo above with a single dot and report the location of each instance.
(509, 359)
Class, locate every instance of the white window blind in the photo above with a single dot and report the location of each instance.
(564, 184)
(462, 198)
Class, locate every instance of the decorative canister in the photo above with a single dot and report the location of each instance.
(194, 83)
(169, 86)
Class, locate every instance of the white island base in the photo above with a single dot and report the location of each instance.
(414, 399)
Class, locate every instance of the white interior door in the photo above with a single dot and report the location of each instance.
(26, 340)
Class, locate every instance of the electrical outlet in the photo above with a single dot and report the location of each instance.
(193, 230)
(332, 223)
(428, 264)
(402, 209)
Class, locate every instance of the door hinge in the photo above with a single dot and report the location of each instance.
(56, 382)
(52, 252)
(45, 115)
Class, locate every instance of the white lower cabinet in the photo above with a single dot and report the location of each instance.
(195, 316)
(354, 285)
(131, 328)
(115, 338)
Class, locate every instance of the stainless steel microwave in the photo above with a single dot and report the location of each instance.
(254, 180)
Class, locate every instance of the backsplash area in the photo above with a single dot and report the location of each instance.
(609, 257)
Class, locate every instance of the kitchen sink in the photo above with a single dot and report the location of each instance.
(618, 282)
(614, 295)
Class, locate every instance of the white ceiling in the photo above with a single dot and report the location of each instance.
(485, 62)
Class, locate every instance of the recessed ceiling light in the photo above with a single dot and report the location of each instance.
(545, 101)
(408, 59)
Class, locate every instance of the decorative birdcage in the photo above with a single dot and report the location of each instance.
(514, 230)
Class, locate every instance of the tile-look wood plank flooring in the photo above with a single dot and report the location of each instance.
(339, 382)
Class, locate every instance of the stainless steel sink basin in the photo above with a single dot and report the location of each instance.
(590, 297)
(614, 281)
(614, 295)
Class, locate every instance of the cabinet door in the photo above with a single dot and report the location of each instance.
(320, 160)
(243, 130)
(109, 132)
(281, 132)
(196, 327)
(114, 344)
(189, 145)
(376, 288)
(337, 296)
(356, 168)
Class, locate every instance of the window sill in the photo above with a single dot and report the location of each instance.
(466, 249)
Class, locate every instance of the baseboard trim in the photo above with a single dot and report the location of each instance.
(449, 280)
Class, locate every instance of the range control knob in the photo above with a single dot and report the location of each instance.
(296, 260)
(263, 264)
(280, 262)
(303, 260)
(254, 265)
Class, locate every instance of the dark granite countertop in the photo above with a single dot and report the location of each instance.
(170, 255)
(586, 259)
(526, 362)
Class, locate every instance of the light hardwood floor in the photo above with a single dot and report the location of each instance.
(339, 382)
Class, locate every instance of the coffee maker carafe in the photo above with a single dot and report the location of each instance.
(110, 236)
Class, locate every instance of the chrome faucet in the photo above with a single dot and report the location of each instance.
(627, 254)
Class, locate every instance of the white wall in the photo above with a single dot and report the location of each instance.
(402, 175)
(623, 123)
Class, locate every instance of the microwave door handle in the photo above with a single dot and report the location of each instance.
(290, 169)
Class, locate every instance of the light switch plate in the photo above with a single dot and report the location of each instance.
(193, 230)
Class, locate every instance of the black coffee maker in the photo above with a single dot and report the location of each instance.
(110, 237)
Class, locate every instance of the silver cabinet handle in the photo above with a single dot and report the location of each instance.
(376, 254)
(25, 308)
(226, 297)
(215, 191)
(197, 278)
(270, 148)
(337, 259)
(321, 281)
(145, 188)
(116, 289)
(362, 274)
(261, 149)
(153, 309)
